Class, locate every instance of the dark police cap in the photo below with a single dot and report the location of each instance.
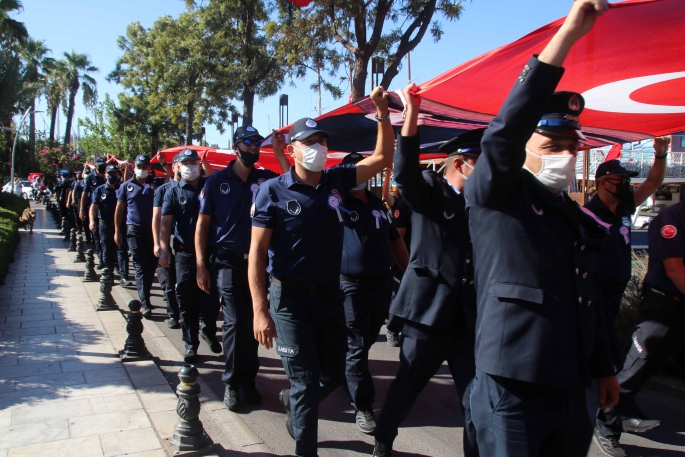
(613, 167)
(112, 168)
(176, 158)
(99, 161)
(245, 131)
(352, 157)
(304, 128)
(561, 115)
(465, 144)
(187, 154)
(142, 160)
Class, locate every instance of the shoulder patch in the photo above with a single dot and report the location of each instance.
(669, 231)
(397, 213)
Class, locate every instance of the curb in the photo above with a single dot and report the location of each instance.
(668, 385)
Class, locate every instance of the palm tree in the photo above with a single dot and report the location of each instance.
(33, 54)
(77, 68)
(55, 91)
(9, 28)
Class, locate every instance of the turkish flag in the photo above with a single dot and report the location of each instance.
(301, 3)
(614, 152)
(629, 68)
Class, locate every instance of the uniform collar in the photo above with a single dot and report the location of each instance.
(231, 174)
(184, 183)
(291, 180)
(453, 188)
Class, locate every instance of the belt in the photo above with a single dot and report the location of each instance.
(368, 283)
(314, 290)
(667, 295)
(232, 254)
(106, 222)
(179, 247)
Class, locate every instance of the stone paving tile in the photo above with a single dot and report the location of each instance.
(5, 417)
(158, 398)
(31, 397)
(109, 422)
(114, 403)
(114, 373)
(41, 432)
(57, 338)
(49, 411)
(9, 359)
(127, 443)
(89, 363)
(8, 385)
(99, 389)
(145, 373)
(155, 453)
(30, 370)
(57, 356)
(164, 423)
(30, 317)
(53, 380)
(88, 446)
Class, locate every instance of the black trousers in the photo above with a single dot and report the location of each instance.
(111, 252)
(197, 310)
(144, 261)
(77, 220)
(86, 225)
(422, 352)
(521, 419)
(96, 240)
(659, 336)
(229, 276)
(167, 281)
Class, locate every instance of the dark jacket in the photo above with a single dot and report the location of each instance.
(535, 256)
(437, 279)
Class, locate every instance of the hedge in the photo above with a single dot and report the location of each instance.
(11, 208)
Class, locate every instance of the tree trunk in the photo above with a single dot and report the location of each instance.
(154, 140)
(32, 131)
(361, 65)
(70, 115)
(53, 120)
(248, 105)
(190, 118)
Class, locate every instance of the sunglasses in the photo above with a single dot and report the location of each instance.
(248, 142)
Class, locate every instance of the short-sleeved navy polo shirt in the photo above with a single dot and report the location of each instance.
(93, 180)
(666, 240)
(182, 201)
(106, 198)
(307, 224)
(228, 200)
(158, 202)
(139, 198)
(615, 258)
(368, 232)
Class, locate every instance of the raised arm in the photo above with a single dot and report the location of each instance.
(385, 142)
(657, 173)
(278, 143)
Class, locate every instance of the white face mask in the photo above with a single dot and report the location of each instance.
(190, 172)
(556, 171)
(141, 174)
(314, 157)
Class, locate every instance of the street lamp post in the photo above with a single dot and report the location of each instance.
(14, 146)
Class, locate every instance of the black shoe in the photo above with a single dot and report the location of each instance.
(172, 323)
(392, 339)
(284, 398)
(608, 446)
(190, 356)
(147, 312)
(212, 342)
(100, 265)
(366, 422)
(231, 399)
(250, 394)
(382, 451)
(635, 425)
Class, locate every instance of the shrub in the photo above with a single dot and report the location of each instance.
(11, 208)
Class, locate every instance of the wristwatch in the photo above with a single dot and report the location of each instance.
(383, 119)
(663, 156)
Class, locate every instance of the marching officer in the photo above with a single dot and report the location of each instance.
(102, 210)
(93, 180)
(435, 305)
(222, 241)
(75, 203)
(370, 243)
(661, 334)
(135, 201)
(167, 276)
(540, 337)
(180, 211)
(298, 226)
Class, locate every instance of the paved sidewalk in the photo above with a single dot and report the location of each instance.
(63, 390)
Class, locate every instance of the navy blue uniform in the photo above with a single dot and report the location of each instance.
(435, 295)
(196, 307)
(227, 199)
(364, 279)
(305, 300)
(167, 276)
(105, 197)
(661, 334)
(138, 198)
(540, 336)
(92, 181)
(77, 189)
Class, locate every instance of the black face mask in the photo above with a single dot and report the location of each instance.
(248, 158)
(112, 179)
(623, 191)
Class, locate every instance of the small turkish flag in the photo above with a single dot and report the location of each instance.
(614, 152)
(301, 3)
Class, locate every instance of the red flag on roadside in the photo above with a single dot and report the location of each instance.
(614, 152)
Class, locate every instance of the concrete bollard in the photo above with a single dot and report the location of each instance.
(63, 228)
(134, 348)
(79, 251)
(72, 241)
(90, 275)
(189, 434)
(106, 301)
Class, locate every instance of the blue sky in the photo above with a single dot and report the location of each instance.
(93, 26)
